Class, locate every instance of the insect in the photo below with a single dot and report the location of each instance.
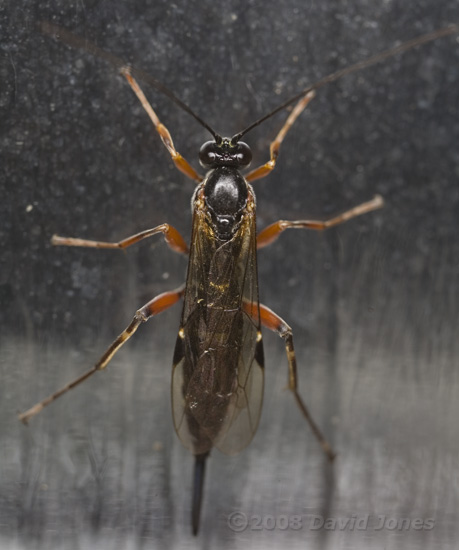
(218, 363)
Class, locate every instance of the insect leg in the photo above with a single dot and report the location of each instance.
(181, 163)
(272, 321)
(271, 233)
(154, 307)
(265, 169)
(172, 237)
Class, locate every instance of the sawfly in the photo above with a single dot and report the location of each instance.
(218, 364)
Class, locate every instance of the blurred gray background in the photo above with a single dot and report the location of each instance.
(373, 303)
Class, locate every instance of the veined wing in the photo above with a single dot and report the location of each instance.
(217, 384)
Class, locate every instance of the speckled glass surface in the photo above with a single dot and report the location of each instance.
(374, 304)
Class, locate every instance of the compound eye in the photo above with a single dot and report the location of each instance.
(207, 154)
(243, 154)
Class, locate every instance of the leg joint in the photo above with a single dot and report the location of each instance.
(285, 332)
(141, 315)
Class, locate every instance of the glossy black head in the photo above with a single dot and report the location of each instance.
(225, 153)
(225, 193)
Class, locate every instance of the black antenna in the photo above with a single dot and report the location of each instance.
(352, 69)
(78, 42)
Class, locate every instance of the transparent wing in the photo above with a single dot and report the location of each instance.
(217, 383)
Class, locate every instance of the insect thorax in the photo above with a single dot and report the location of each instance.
(225, 195)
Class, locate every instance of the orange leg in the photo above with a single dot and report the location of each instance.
(272, 321)
(265, 169)
(172, 237)
(154, 307)
(182, 164)
(271, 233)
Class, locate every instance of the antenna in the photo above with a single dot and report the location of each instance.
(78, 42)
(424, 39)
